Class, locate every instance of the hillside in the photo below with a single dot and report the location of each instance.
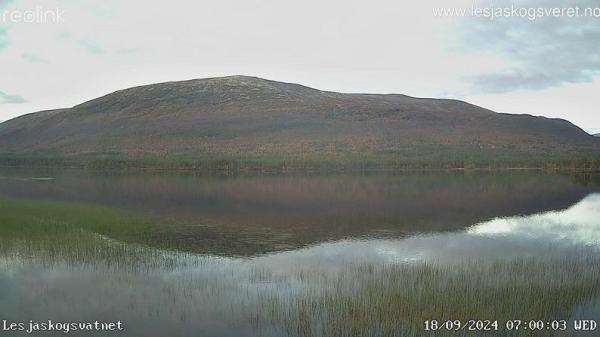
(240, 117)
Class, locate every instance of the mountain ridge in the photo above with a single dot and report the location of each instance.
(250, 117)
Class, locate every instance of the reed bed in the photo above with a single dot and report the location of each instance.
(395, 300)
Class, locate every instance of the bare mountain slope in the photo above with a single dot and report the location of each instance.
(241, 116)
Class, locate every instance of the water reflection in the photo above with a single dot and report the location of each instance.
(577, 225)
(254, 215)
(439, 231)
(546, 235)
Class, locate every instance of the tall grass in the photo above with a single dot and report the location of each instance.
(396, 300)
(58, 232)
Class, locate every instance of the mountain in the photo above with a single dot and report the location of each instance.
(596, 135)
(247, 117)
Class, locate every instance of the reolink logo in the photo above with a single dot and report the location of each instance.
(36, 15)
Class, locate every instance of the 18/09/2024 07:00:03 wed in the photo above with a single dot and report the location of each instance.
(510, 325)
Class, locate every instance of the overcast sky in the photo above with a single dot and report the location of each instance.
(549, 66)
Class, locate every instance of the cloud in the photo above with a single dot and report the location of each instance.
(3, 38)
(11, 99)
(33, 58)
(546, 52)
(4, 3)
(91, 46)
(3, 31)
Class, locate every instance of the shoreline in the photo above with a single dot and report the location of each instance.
(234, 168)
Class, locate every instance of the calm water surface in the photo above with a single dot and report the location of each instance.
(242, 256)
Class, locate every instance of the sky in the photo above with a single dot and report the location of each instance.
(523, 59)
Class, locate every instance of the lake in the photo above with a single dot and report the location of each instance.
(374, 254)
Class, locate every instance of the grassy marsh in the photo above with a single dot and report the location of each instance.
(395, 300)
(59, 232)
